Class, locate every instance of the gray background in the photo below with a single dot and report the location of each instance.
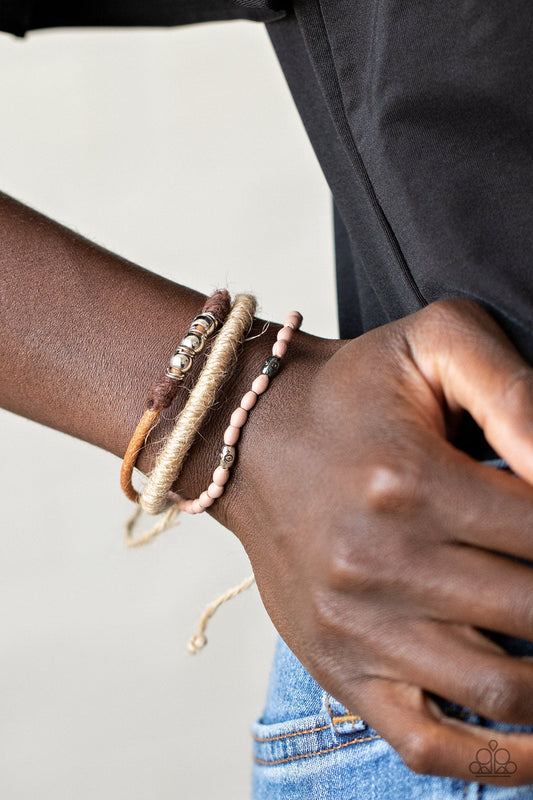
(182, 151)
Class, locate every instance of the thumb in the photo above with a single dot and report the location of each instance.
(471, 364)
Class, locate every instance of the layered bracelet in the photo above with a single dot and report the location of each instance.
(239, 418)
(234, 321)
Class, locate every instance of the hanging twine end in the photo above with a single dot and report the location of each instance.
(169, 520)
(198, 640)
(196, 643)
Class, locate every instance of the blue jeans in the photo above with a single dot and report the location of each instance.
(308, 746)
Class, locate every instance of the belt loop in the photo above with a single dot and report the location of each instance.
(342, 720)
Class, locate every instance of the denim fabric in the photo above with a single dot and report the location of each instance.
(308, 746)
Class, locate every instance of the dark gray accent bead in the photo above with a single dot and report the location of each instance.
(182, 348)
(227, 456)
(271, 366)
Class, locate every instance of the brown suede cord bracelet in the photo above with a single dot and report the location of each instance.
(164, 391)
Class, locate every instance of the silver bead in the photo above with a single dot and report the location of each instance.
(271, 366)
(181, 348)
(181, 361)
(193, 341)
(227, 456)
(206, 321)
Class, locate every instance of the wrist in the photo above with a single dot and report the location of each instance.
(272, 425)
(204, 455)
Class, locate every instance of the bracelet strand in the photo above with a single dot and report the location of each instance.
(162, 393)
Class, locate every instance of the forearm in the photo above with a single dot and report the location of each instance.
(85, 333)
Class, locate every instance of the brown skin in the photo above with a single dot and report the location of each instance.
(378, 547)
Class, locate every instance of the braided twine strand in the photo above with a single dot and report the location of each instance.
(219, 365)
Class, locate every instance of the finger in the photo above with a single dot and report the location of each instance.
(432, 744)
(483, 590)
(466, 356)
(462, 665)
(472, 503)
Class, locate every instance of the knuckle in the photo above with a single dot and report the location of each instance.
(346, 570)
(458, 317)
(518, 391)
(390, 487)
(502, 696)
(419, 751)
(326, 611)
(341, 573)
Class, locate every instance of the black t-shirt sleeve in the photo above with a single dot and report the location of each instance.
(20, 16)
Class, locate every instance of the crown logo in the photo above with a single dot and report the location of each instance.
(493, 760)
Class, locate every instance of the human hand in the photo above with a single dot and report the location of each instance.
(378, 547)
